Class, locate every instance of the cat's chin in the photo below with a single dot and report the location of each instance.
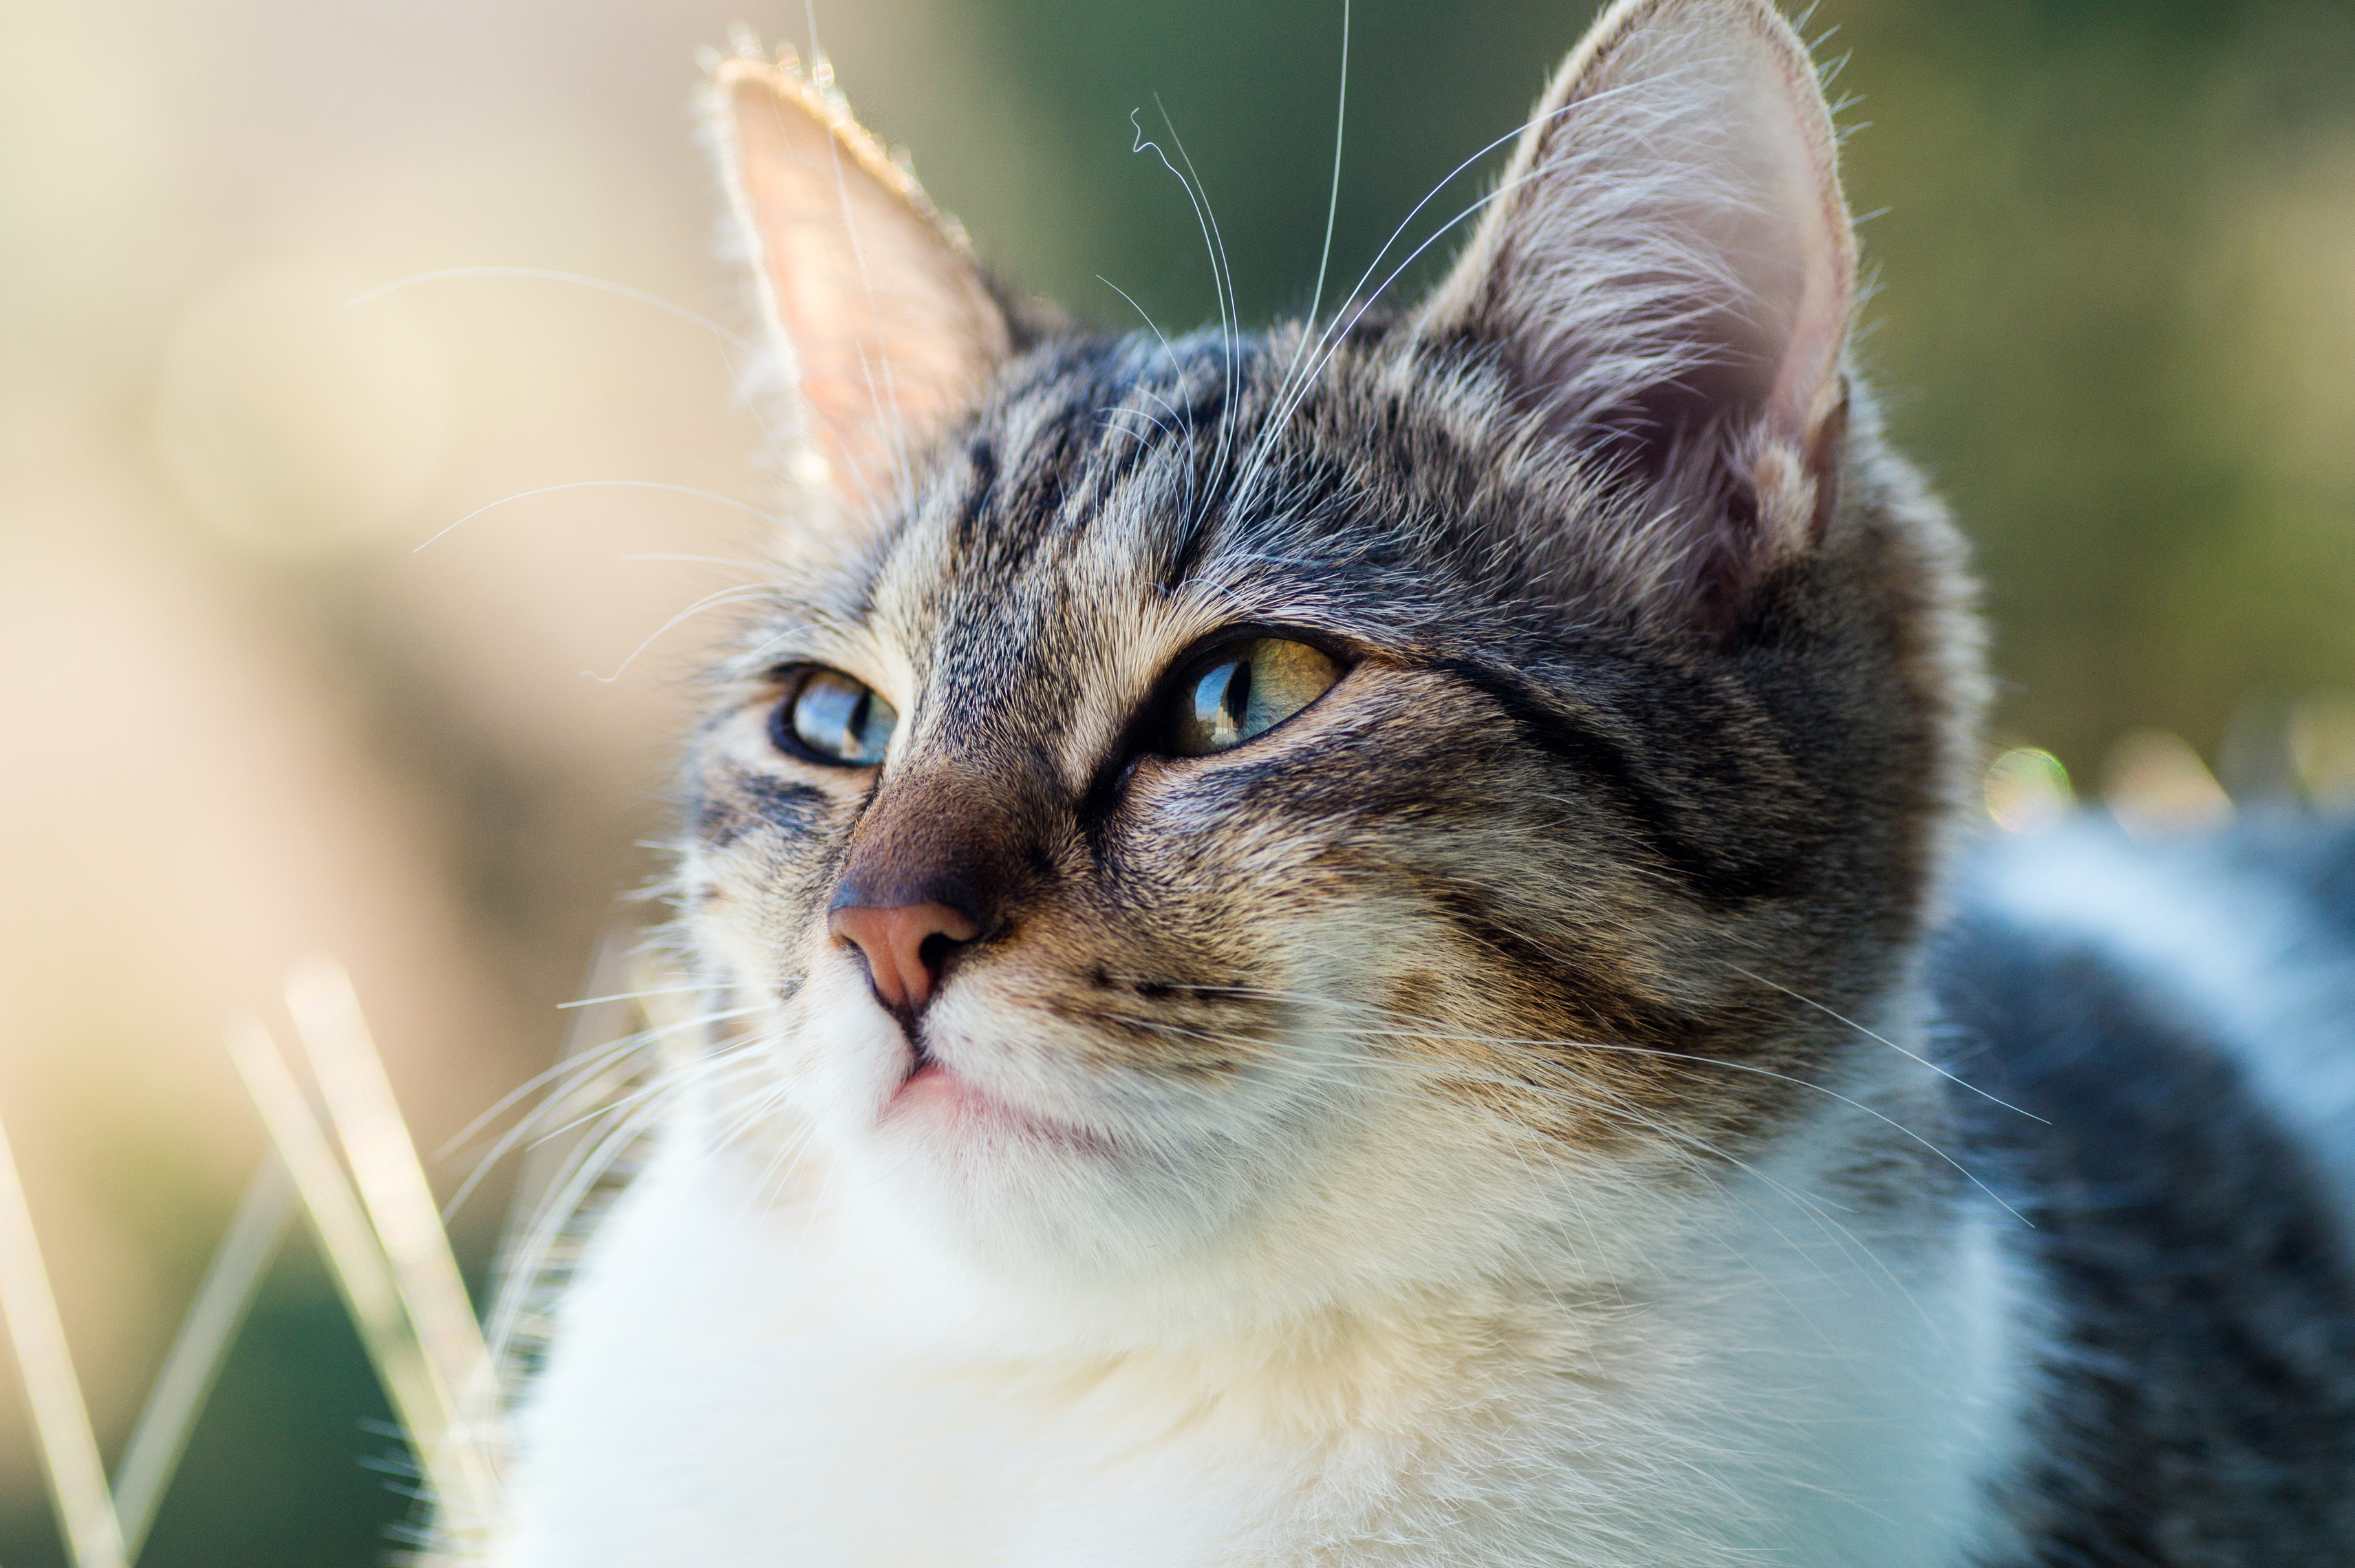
(961, 1163)
(994, 1150)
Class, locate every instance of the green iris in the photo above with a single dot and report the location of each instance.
(1245, 690)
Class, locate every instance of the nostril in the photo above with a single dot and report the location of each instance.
(905, 947)
(932, 953)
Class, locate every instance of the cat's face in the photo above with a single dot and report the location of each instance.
(1305, 804)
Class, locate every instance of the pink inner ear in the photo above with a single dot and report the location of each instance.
(1773, 263)
(1818, 286)
(890, 329)
(1672, 230)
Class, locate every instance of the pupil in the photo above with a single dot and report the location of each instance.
(853, 736)
(1237, 699)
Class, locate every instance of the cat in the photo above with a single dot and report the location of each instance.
(1357, 944)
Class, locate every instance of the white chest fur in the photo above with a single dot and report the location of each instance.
(736, 1383)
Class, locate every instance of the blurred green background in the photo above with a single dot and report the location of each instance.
(2113, 248)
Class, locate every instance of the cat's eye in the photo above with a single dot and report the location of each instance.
(830, 718)
(1244, 689)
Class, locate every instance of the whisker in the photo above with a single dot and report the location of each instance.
(1141, 312)
(632, 995)
(1681, 1141)
(1332, 207)
(1884, 1039)
(1230, 324)
(550, 274)
(712, 601)
(1437, 1030)
(606, 484)
(1404, 223)
(571, 1071)
(1340, 333)
(561, 1080)
(1219, 281)
(528, 1261)
(572, 1063)
(1333, 203)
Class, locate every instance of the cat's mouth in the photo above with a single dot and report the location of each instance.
(936, 1096)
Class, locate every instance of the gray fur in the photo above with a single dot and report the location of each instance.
(2197, 1391)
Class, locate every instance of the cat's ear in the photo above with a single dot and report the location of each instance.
(888, 330)
(1670, 268)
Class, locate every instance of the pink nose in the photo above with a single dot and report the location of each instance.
(904, 947)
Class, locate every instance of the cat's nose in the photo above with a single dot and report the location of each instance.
(931, 868)
(905, 947)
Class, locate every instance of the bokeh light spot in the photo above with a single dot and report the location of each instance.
(2153, 782)
(2322, 747)
(2027, 789)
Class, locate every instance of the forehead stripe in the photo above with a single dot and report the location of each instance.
(1723, 874)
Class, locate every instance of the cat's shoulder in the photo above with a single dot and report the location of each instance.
(2221, 962)
(2171, 1027)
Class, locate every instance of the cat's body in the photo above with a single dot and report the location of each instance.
(2184, 1015)
(1322, 940)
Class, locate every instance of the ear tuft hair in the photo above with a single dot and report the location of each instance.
(887, 327)
(1668, 270)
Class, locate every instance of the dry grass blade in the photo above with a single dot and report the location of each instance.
(195, 1360)
(399, 1203)
(61, 1421)
(358, 1262)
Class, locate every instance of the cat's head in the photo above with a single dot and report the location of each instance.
(1355, 803)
